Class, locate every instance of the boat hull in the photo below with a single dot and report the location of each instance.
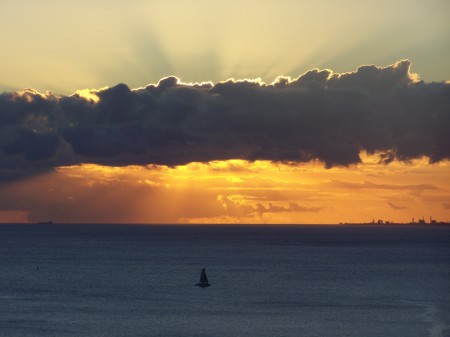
(203, 285)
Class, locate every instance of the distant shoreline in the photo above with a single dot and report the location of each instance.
(394, 224)
(435, 224)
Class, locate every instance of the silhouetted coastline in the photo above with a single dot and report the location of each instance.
(420, 222)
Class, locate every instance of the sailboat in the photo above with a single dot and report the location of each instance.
(203, 280)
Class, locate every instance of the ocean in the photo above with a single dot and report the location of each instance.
(277, 281)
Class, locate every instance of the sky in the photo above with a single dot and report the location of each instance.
(224, 112)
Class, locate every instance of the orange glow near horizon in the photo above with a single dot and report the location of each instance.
(236, 191)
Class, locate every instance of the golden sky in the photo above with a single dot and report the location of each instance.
(235, 191)
(280, 112)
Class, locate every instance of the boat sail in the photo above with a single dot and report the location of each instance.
(203, 280)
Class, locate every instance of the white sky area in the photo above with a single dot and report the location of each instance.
(63, 46)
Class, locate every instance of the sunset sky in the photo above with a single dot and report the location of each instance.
(309, 112)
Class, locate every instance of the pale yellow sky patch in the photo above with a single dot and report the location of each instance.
(64, 47)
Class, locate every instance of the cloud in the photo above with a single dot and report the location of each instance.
(234, 208)
(393, 206)
(369, 185)
(293, 207)
(320, 115)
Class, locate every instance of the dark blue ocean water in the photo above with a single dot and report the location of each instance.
(122, 280)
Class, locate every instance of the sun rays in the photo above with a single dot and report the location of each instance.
(145, 41)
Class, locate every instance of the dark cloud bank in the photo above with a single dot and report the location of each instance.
(318, 116)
